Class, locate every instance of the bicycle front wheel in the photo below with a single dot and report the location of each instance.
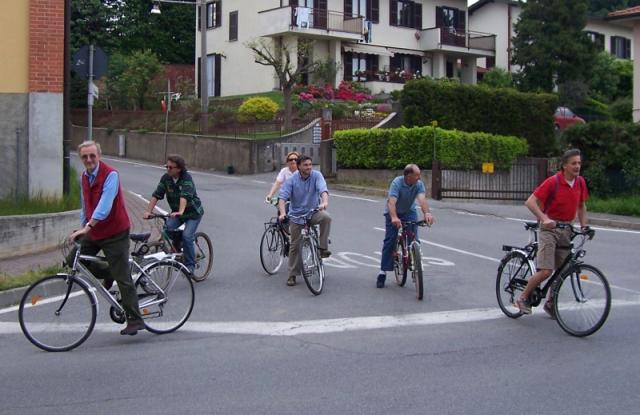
(165, 296)
(399, 264)
(272, 250)
(204, 256)
(513, 274)
(416, 271)
(582, 300)
(312, 268)
(57, 313)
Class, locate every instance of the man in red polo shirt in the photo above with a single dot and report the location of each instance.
(557, 200)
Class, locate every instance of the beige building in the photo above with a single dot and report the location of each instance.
(500, 16)
(378, 42)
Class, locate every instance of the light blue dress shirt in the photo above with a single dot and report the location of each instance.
(405, 195)
(304, 194)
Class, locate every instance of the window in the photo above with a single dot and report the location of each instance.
(359, 66)
(214, 14)
(369, 9)
(213, 75)
(233, 26)
(452, 23)
(621, 47)
(405, 13)
(597, 38)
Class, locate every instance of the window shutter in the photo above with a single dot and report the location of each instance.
(627, 49)
(462, 21)
(373, 10)
(198, 76)
(417, 9)
(348, 9)
(233, 25)
(219, 14)
(395, 63)
(293, 3)
(348, 66)
(372, 64)
(393, 12)
(613, 45)
(439, 17)
(216, 81)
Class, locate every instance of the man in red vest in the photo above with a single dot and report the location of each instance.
(106, 226)
(559, 199)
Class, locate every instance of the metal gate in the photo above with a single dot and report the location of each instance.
(515, 183)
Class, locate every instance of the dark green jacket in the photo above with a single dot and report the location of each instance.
(185, 188)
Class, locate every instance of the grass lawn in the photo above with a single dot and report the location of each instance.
(619, 205)
(274, 95)
(10, 206)
(8, 282)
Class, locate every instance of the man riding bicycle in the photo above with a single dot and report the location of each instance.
(304, 190)
(401, 206)
(556, 201)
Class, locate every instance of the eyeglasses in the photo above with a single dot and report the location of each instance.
(88, 156)
(170, 167)
(292, 159)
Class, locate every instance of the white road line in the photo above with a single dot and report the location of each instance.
(354, 198)
(337, 325)
(158, 208)
(259, 181)
(453, 249)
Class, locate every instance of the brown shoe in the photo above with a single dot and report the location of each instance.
(107, 283)
(132, 328)
(548, 308)
(324, 253)
(291, 281)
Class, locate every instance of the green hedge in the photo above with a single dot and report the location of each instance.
(500, 111)
(610, 155)
(395, 148)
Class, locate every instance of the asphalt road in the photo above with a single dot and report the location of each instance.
(254, 345)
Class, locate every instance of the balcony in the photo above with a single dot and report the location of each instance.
(450, 39)
(311, 22)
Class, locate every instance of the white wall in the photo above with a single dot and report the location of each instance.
(608, 30)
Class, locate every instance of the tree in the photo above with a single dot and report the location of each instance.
(550, 45)
(289, 67)
(498, 78)
(130, 78)
(603, 7)
(604, 80)
(92, 21)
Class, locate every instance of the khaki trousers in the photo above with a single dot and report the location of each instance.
(321, 218)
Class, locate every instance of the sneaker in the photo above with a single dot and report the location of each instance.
(548, 308)
(523, 305)
(324, 253)
(291, 281)
(381, 280)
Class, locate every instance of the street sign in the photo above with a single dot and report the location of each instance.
(80, 63)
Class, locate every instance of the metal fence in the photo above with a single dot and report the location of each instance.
(515, 183)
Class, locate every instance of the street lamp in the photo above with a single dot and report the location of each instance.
(204, 90)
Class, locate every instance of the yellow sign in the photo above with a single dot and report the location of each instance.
(487, 167)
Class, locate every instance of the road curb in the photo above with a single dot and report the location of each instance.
(11, 297)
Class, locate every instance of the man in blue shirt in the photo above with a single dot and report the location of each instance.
(306, 190)
(401, 206)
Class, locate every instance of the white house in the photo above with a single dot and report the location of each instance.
(630, 19)
(500, 16)
(378, 42)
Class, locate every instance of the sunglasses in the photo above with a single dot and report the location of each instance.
(88, 156)
(170, 167)
(292, 159)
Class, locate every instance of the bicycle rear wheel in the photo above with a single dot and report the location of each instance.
(582, 300)
(165, 296)
(513, 274)
(57, 313)
(312, 268)
(399, 264)
(416, 271)
(271, 250)
(204, 256)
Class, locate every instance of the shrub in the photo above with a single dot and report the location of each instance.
(258, 108)
(498, 78)
(610, 164)
(622, 110)
(395, 148)
(501, 111)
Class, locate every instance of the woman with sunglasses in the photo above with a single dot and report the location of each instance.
(285, 173)
(177, 184)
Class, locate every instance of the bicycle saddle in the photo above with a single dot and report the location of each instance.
(531, 225)
(140, 237)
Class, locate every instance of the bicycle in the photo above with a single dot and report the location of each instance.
(408, 256)
(58, 312)
(580, 292)
(170, 243)
(274, 244)
(312, 267)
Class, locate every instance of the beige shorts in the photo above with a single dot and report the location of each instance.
(553, 247)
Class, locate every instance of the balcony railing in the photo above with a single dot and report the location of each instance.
(307, 18)
(449, 36)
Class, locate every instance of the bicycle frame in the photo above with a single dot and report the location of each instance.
(407, 237)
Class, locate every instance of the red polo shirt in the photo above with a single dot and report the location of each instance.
(567, 199)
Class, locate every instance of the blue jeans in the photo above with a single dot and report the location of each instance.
(190, 227)
(390, 237)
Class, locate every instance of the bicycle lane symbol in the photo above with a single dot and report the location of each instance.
(353, 260)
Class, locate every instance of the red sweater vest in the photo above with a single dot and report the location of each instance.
(118, 219)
